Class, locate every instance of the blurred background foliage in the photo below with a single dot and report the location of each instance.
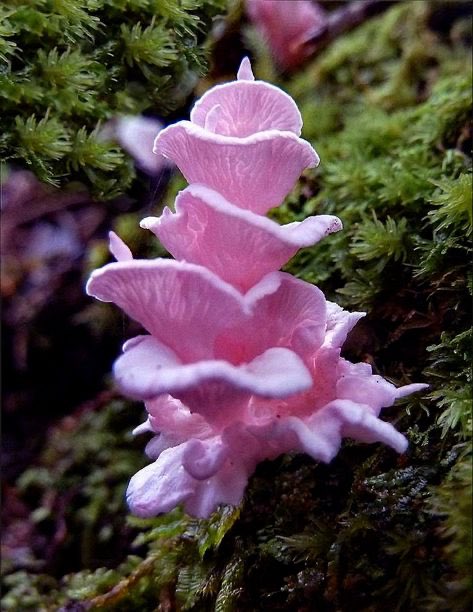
(388, 108)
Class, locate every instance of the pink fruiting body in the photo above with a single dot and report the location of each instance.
(242, 141)
(286, 25)
(136, 135)
(240, 362)
(208, 230)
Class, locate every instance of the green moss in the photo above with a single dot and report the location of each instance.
(71, 65)
(86, 464)
(455, 206)
(454, 590)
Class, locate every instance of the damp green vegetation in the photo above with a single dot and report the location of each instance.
(77, 488)
(97, 59)
(388, 109)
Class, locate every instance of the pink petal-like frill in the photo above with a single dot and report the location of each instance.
(339, 323)
(296, 310)
(245, 71)
(197, 316)
(360, 424)
(174, 424)
(160, 486)
(118, 248)
(408, 389)
(357, 383)
(372, 390)
(255, 172)
(184, 306)
(246, 107)
(203, 459)
(166, 413)
(320, 434)
(166, 483)
(320, 437)
(213, 388)
(238, 245)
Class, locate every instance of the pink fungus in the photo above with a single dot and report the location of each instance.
(240, 362)
(208, 230)
(136, 135)
(242, 141)
(286, 25)
(209, 345)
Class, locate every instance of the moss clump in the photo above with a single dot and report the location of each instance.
(454, 589)
(71, 65)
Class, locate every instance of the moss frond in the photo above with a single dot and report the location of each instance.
(363, 289)
(46, 138)
(8, 48)
(70, 68)
(456, 401)
(231, 585)
(152, 45)
(455, 204)
(88, 150)
(381, 241)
